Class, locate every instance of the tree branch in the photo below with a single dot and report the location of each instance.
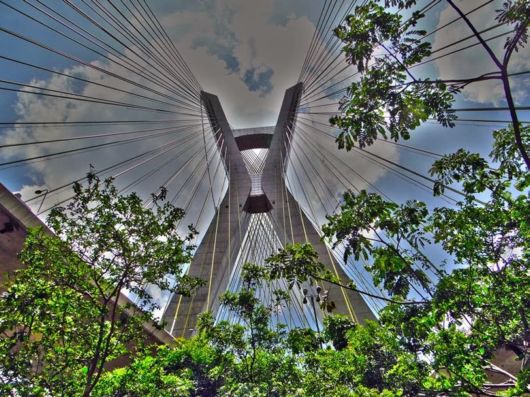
(476, 33)
(368, 293)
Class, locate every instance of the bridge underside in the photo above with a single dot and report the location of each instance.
(257, 198)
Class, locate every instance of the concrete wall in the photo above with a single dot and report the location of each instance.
(15, 218)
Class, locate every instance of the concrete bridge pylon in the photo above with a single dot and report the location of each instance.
(250, 195)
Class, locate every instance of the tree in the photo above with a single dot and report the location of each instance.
(389, 99)
(62, 318)
(483, 304)
(443, 345)
(467, 315)
(244, 358)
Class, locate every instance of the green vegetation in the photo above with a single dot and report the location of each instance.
(60, 321)
(388, 99)
(59, 318)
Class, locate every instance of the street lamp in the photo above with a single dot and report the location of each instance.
(45, 191)
(315, 293)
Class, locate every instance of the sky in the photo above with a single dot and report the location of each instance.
(247, 52)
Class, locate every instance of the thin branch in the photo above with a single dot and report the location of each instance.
(368, 293)
(476, 33)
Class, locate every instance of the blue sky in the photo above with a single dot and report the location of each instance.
(248, 52)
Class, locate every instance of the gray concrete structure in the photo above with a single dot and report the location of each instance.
(15, 220)
(220, 246)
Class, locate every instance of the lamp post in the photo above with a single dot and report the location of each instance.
(315, 293)
(45, 191)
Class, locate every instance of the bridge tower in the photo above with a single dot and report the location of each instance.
(252, 194)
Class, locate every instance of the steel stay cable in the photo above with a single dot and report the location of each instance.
(100, 135)
(210, 188)
(196, 186)
(429, 6)
(164, 49)
(457, 18)
(420, 185)
(311, 180)
(419, 64)
(52, 71)
(315, 221)
(188, 139)
(83, 98)
(310, 206)
(128, 35)
(144, 176)
(449, 45)
(325, 48)
(460, 50)
(172, 45)
(135, 71)
(330, 51)
(166, 149)
(137, 68)
(493, 27)
(173, 176)
(343, 180)
(9, 164)
(211, 145)
(321, 59)
(70, 38)
(75, 59)
(477, 109)
(320, 44)
(55, 124)
(150, 173)
(315, 91)
(106, 169)
(410, 147)
(169, 43)
(360, 277)
(166, 84)
(405, 177)
(324, 72)
(348, 166)
(413, 66)
(363, 152)
(160, 41)
(316, 33)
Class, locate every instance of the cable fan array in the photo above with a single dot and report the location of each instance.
(100, 83)
(318, 173)
(134, 113)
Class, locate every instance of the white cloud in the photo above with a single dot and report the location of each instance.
(244, 29)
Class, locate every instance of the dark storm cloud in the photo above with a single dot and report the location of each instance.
(259, 79)
(222, 51)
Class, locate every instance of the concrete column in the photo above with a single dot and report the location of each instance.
(219, 248)
(292, 223)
